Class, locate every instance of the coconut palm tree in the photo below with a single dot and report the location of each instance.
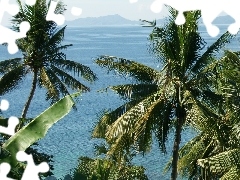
(161, 100)
(42, 57)
(216, 148)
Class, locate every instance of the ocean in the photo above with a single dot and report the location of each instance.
(70, 138)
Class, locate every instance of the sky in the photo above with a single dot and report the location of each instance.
(132, 11)
(96, 8)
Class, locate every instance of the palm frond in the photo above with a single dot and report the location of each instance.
(56, 38)
(139, 123)
(162, 116)
(59, 85)
(134, 91)
(190, 154)
(230, 64)
(129, 119)
(60, 9)
(10, 64)
(76, 68)
(123, 66)
(222, 162)
(207, 56)
(70, 81)
(202, 117)
(11, 79)
(232, 174)
(121, 145)
(110, 117)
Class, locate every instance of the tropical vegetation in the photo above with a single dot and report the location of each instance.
(196, 87)
(43, 57)
(108, 167)
(162, 100)
(216, 148)
(32, 132)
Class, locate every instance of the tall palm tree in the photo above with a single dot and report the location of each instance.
(216, 148)
(42, 57)
(161, 100)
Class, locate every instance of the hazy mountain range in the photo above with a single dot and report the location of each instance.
(117, 20)
(110, 20)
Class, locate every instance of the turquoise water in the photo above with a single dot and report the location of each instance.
(70, 138)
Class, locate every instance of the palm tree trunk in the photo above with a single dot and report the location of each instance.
(34, 84)
(177, 140)
(180, 115)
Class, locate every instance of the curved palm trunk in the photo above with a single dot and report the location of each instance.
(177, 141)
(34, 84)
(180, 114)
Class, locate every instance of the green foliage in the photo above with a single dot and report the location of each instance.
(113, 166)
(216, 148)
(182, 92)
(35, 130)
(43, 57)
(103, 169)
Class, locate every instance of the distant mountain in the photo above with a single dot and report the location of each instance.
(117, 20)
(110, 20)
(222, 20)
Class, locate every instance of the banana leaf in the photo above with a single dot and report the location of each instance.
(37, 128)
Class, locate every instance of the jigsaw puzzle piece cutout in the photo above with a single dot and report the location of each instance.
(9, 36)
(133, 1)
(76, 11)
(4, 105)
(181, 6)
(208, 14)
(12, 123)
(210, 10)
(12, 9)
(30, 2)
(31, 171)
(208, 17)
(51, 16)
(4, 170)
(232, 9)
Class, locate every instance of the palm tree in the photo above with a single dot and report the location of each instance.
(216, 148)
(108, 167)
(42, 57)
(161, 100)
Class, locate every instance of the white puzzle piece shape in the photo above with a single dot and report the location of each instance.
(51, 16)
(133, 1)
(210, 10)
(30, 2)
(31, 171)
(7, 35)
(76, 11)
(4, 105)
(4, 170)
(12, 123)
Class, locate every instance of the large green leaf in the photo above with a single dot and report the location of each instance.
(37, 128)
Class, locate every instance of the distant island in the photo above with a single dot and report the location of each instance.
(109, 20)
(117, 20)
(223, 20)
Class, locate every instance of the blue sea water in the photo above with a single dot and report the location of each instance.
(70, 138)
